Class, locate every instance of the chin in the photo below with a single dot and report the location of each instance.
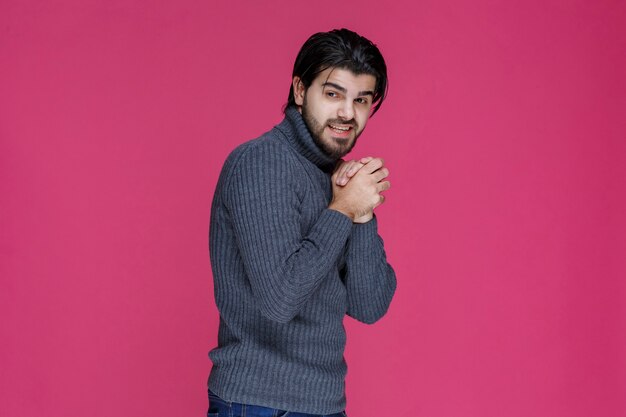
(339, 152)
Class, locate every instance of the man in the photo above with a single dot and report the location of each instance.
(293, 240)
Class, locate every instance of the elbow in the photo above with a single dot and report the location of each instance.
(277, 312)
(370, 313)
(280, 302)
(369, 317)
(277, 316)
(370, 309)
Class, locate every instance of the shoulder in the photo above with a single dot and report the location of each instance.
(261, 162)
(266, 154)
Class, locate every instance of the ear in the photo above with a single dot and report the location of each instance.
(298, 90)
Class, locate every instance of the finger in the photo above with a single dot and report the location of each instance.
(381, 200)
(356, 166)
(351, 168)
(366, 159)
(383, 186)
(339, 166)
(342, 178)
(380, 174)
(373, 165)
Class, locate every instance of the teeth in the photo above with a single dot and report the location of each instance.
(340, 128)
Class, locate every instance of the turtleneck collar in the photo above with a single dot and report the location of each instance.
(297, 134)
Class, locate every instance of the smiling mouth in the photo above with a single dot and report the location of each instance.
(339, 128)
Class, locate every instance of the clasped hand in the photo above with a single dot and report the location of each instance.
(357, 187)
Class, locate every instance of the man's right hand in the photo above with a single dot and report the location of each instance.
(361, 194)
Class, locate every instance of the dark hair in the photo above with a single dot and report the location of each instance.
(344, 49)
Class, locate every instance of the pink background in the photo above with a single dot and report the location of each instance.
(504, 132)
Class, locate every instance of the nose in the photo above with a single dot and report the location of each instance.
(346, 110)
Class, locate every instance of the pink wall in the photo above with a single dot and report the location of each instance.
(505, 135)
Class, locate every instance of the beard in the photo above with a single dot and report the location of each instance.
(334, 148)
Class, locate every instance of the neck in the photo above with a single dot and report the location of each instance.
(299, 137)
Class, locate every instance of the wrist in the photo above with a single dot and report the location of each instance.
(343, 210)
(364, 219)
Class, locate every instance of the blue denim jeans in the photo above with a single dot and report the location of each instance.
(222, 408)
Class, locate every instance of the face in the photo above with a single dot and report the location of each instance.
(335, 108)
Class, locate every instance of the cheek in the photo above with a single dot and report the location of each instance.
(362, 120)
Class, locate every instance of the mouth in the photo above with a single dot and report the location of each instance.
(340, 130)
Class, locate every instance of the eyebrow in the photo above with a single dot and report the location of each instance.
(343, 90)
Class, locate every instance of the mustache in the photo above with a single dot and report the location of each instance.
(351, 122)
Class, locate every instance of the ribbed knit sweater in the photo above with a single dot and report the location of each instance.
(286, 271)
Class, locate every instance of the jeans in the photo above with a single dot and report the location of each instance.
(222, 408)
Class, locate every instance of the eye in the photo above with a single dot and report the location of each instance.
(361, 100)
(331, 94)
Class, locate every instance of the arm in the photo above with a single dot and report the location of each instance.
(283, 264)
(369, 279)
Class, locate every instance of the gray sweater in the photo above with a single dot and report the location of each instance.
(286, 271)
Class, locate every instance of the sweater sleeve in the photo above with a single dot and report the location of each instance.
(369, 279)
(284, 264)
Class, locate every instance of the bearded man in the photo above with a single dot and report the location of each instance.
(294, 243)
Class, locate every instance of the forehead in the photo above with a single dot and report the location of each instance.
(346, 79)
